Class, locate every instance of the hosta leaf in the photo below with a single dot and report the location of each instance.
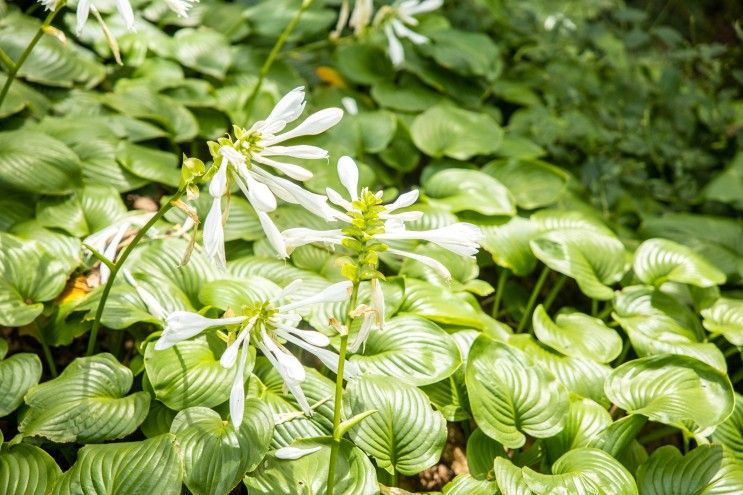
(408, 95)
(215, 455)
(309, 474)
(583, 470)
(20, 96)
(729, 433)
(533, 183)
(579, 375)
(28, 277)
(481, 452)
(577, 335)
(280, 273)
(235, 294)
(18, 373)
(26, 470)
(509, 244)
(510, 478)
(445, 130)
(64, 248)
(460, 190)
(85, 211)
(393, 434)
(660, 260)
(376, 129)
(159, 418)
(510, 397)
(291, 422)
(363, 63)
(149, 163)
(552, 219)
(725, 316)
(203, 50)
(28, 156)
(464, 52)
(676, 390)
(189, 373)
(657, 323)
(86, 403)
(594, 260)
(615, 438)
(464, 484)
(450, 395)
(131, 468)
(585, 421)
(410, 349)
(700, 472)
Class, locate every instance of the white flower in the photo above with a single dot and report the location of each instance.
(269, 327)
(106, 241)
(49, 4)
(180, 7)
(153, 305)
(242, 160)
(361, 15)
(350, 105)
(123, 6)
(292, 453)
(396, 20)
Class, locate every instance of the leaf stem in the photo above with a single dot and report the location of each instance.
(274, 53)
(533, 299)
(47, 352)
(552, 295)
(335, 447)
(22, 59)
(502, 278)
(594, 307)
(120, 261)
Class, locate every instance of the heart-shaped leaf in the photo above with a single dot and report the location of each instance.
(729, 433)
(86, 403)
(410, 349)
(675, 390)
(26, 470)
(481, 452)
(509, 244)
(18, 373)
(578, 335)
(498, 375)
(461, 190)
(585, 420)
(660, 260)
(725, 316)
(130, 468)
(392, 435)
(533, 183)
(464, 484)
(215, 455)
(309, 473)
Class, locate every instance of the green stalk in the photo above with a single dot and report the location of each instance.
(554, 291)
(47, 352)
(17, 65)
(119, 262)
(594, 307)
(274, 53)
(502, 278)
(533, 299)
(334, 448)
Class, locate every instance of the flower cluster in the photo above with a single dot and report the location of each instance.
(360, 223)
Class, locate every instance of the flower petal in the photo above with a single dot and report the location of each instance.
(294, 171)
(316, 123)
(149, 300)
(218, 184)
(426, 260)
(182, 325)
(337, 292)
(292, 453)
(237, 393)
(348, 173)
(214, 235)
(125, 11)
(288, 108)
(272, 234)
(403, 201)
(297, 151)
(394, 47)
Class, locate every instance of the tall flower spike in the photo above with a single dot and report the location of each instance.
(395, 21)
(269, 326)
(124, 7)
(243, 159)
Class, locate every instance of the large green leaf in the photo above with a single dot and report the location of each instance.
(729, 433)
(37, 163)
(700, 472)
(189, 374)
(464, 52)
(660, 260)
(363, 63)
(481, 452)
(510, 478)
(594, 260)
(18, 373)
(577, 335)
(354, 473)
(64, 249)
(204, 50)
(464, 484)
(132, 468)
(511, 397)
(85, 211)
(725, 316)
(676, 390)
(392, 435)
(26, 470)
(461, 189)
(658, 323)
(86, 403)
(508, 243)
(410, 349)
(149, 163)
(215, 455)
(586, 471)
(28, 277)
(21, 96)
(445, 130)
(585, 421)
(533, 183)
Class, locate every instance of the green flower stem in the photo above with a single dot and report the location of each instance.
(554, 291)
(533, 299)
(594, 307)
(274, 53)
(502, 278)
(17, 65)
(47, 352)
(120, 261)
(339, 391)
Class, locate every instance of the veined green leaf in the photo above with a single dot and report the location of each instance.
(26, 470)
(18, 373)
(86, 403)
(533, 183)
(461, 190)
(465, 484)
(511, 397)
(729, 433)
(510, 478)
(675, 390)
(393, 435)
(725, 316)
(660, 260)
(204, 50)
(585, 421)
(481, 452)
(509, 244)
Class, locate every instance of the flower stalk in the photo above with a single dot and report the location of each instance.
(22, 59)
(120, 261)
